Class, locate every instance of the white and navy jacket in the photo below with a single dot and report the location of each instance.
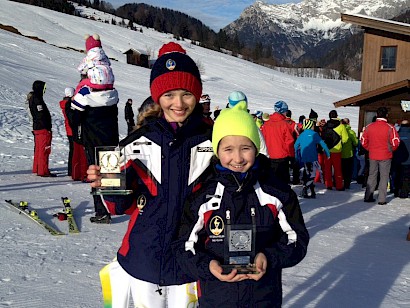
(96, 112)
(162, 168)
(280, 234)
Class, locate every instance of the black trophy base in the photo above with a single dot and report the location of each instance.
(111, 192)
(241, 269)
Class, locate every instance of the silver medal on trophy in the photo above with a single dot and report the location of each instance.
(239, 247)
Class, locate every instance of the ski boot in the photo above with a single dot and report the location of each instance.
(312, 191)
(370, 199)
(303, 193)
(101, 219)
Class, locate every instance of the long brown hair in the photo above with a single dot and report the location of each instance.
(153, 110)
(147, 109)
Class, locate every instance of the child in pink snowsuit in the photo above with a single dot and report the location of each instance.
(96, 66)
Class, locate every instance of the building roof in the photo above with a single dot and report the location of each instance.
(377, 23)
(133, 50)
(368, 97)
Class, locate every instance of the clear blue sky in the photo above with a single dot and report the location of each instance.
(215, 14)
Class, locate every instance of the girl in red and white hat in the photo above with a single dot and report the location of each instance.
(165, 160)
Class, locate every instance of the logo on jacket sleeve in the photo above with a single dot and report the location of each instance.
(141, 202)
(205, 149)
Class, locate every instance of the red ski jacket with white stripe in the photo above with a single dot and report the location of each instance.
(380, 139)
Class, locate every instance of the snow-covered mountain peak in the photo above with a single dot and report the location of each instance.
(294, 29)
(322, 15)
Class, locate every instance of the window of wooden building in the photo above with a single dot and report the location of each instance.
(388, 58)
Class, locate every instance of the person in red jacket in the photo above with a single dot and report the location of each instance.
(279, 141)
(77, 161)
(68, 94)
(380, 139)
(293, 164)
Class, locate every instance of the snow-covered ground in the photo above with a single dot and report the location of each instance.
(357, 257)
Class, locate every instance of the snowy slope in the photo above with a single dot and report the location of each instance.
(357, 256)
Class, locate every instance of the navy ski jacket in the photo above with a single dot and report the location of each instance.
(162, 168)
(280, 234)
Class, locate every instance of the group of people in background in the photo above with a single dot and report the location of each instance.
(205, 175)
(91, 118)
(329, 151)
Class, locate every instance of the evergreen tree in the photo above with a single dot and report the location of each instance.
(236, 45)
(257, 51)
(96, 4)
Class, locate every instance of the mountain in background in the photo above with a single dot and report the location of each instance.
(309, 32)
(292, 30)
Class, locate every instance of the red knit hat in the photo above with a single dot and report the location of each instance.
(92, 41)
(174, 69)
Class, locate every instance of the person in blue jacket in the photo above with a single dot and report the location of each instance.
(166, 158)
(306, 154)
(240, 205)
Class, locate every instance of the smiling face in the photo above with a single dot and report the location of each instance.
(236, 153)
(177, 105)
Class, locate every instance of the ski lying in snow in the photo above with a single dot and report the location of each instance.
(68, 210)
(23, 208)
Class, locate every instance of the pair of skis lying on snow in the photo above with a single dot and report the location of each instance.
(23, 208)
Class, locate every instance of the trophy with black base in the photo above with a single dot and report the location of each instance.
(239, 248)
(109, 159)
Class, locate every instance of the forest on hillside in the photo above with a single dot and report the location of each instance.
(343, 56)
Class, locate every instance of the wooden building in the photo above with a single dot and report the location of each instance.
(137, 57)
(385, 69)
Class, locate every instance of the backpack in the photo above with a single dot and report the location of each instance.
(330, 137)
